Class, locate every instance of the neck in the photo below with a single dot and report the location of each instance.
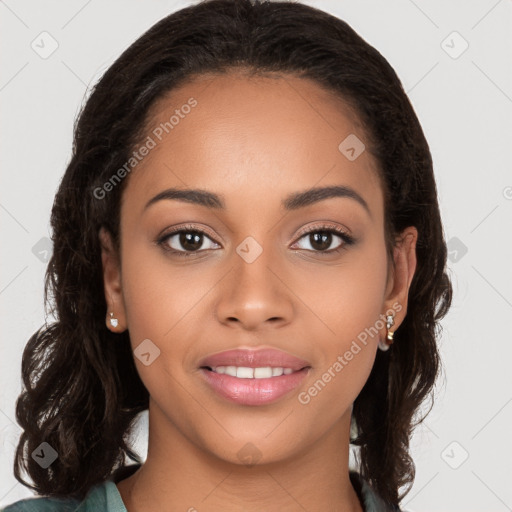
(179, 475)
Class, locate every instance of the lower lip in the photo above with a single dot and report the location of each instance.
(253, 391)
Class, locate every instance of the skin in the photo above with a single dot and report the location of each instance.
(253, 141)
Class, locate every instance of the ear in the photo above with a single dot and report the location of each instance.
(112, 282)
(400, 277)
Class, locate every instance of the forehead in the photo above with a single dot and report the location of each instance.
(262, 136)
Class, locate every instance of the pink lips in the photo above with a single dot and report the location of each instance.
(255, 359)
(254, 391)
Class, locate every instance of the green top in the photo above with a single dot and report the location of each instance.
(105, 497)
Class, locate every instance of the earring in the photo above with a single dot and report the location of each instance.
(390, 321)
(113, 321)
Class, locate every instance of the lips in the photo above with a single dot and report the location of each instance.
(229, 374)
(254, 359)
(253, 392)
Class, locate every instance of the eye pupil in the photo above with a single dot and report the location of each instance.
(319, 239)
(191, 241)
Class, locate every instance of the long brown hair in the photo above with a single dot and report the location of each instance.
(81, 390)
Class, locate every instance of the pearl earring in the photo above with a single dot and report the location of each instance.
(113, 321)
(390, 321)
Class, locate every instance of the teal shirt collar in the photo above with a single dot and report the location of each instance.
(105, 497)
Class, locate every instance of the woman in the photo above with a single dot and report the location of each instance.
(247, 244)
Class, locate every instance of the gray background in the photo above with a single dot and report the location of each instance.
(464, 102)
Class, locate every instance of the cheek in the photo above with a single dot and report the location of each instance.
(157, 309)
(153, 286)
(165, 302)
(347, 297)
(150, 300)
(348, 300)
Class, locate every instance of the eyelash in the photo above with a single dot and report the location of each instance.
(347, 239)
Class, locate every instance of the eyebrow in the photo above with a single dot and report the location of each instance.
(294, 201)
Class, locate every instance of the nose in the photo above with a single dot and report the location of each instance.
(255, 294)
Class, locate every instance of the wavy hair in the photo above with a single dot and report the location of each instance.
(81, 391)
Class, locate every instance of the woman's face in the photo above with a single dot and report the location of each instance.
(254, 278)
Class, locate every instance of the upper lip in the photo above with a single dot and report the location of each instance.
(255, 359)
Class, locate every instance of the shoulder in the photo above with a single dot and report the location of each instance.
(103, 497)
(370, 500)
(42, 505)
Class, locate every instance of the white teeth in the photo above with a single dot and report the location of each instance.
(262, 373)
(243, 372)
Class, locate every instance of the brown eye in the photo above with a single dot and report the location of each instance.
(321, 239)
(186, 241)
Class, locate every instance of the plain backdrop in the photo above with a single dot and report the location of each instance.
(454, 59)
